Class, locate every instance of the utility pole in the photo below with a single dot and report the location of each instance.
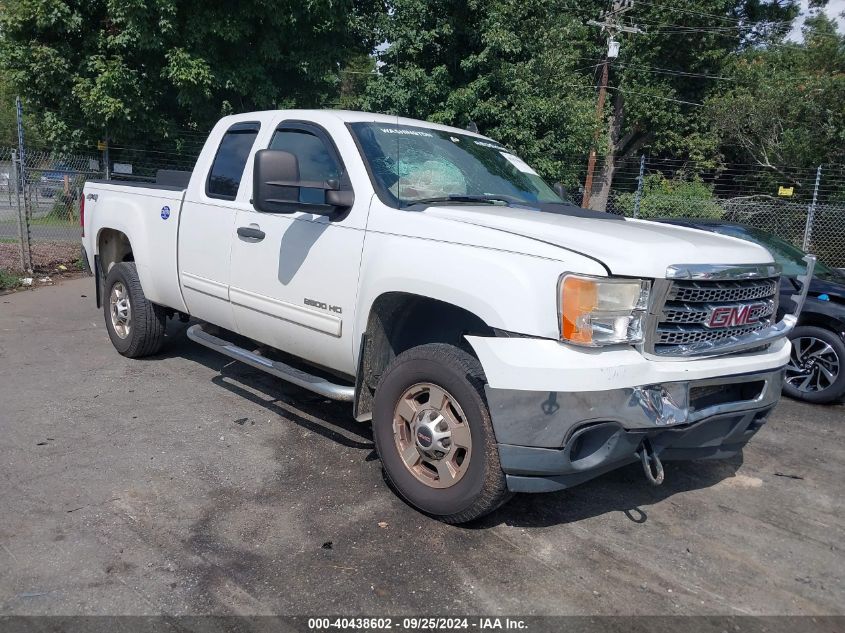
(610, 24)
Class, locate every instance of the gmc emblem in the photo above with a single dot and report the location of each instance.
(731, 316)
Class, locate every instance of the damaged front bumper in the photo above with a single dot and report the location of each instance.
(599, 431)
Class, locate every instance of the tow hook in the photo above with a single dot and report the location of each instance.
(652, 466)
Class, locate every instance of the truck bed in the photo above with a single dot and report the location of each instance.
(149, 212)
(167, 179)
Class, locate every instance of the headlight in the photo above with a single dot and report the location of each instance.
(596, 311)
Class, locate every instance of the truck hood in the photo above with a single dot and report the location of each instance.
(625, 246)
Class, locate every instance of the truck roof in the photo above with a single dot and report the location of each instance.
(347, 116)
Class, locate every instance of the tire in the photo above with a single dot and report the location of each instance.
(143, 333)
(473, 484)
(816, 370)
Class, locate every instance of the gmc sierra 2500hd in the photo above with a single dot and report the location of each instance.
(500, 339)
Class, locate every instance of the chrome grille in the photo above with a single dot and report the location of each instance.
(685, 336)
(682, 322)
(706, 291)
(699, 315)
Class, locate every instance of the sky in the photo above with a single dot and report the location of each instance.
(833, 10)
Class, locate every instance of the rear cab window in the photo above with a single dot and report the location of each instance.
(227, 169)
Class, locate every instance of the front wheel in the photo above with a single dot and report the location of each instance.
(815, 372)
(433, 432)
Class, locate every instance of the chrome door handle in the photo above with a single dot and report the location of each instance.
(251, 233)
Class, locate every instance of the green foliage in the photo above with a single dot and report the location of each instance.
(679, 197)
(786, 105)
(525, 72)
(140, 70)
(8, 121)
(8, 280)
(509, 66)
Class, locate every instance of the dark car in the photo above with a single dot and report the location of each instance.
(815, 372)
(54, 181)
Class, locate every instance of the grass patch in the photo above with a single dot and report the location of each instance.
(52, 220)
(8, 280)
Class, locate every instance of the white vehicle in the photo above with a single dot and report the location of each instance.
(500, 339)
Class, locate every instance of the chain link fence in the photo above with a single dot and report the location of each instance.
(39, 197)
(805, 207)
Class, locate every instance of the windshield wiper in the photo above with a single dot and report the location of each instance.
(508, 200)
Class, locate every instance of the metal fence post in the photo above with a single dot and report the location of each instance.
(811, 212)
(26, 260)
(639, 187)
(21, 172)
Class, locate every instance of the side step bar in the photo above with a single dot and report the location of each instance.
(280, 370)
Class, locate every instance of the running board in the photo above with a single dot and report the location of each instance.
(280, 370)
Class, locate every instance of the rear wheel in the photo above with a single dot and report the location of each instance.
(135, 325)
(433, 433)
(816, 370)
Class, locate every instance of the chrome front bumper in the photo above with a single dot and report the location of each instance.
(550, 441)
(549, 419)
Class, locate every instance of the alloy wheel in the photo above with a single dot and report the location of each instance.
(120, 310)
(813, 365)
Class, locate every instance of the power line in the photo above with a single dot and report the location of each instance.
(702, 29)
(653, 96)
(630, 92)
(655, 69)
(705, 15)
(663, 28)
(667, 71)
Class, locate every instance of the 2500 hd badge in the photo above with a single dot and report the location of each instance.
(323, 306)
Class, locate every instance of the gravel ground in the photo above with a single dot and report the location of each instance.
(188, 484)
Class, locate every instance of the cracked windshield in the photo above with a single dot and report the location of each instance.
(414, 165)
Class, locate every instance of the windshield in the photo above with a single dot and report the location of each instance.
(788, 256)
(411, 165)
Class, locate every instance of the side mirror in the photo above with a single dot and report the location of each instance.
(277, 185)
(275, 181)
(561, 192)
(340, 198)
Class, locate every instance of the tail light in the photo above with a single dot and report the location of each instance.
(82, 212)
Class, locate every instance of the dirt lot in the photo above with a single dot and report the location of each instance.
(187, 484)
(46, 255)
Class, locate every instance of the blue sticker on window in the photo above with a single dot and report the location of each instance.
(824, 297)
(165, 212)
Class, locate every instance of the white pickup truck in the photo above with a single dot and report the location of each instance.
(500, 339)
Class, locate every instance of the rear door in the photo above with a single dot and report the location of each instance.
(295, 288)
(207, 227)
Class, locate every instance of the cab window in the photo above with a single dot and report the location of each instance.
(316, 161)
(230, 161)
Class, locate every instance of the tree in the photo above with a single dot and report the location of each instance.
(663, 75)
(8, 119)
(786, 105)
(509, 66)
(525, 72)
(141, 70)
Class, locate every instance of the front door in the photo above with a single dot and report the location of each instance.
(294, 276)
